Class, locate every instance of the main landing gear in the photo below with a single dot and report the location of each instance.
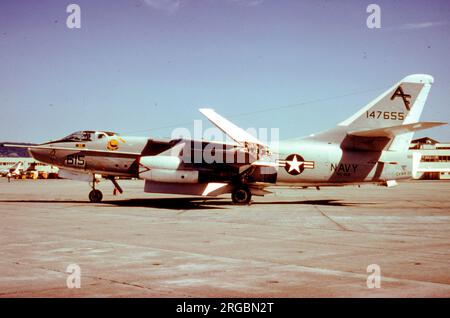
(241, 195)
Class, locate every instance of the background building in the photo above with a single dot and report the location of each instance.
(435, 158)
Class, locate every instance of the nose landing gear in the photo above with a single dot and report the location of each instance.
(95, 196)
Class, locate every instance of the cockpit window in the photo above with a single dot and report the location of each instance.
(83, 136)
(79, 136)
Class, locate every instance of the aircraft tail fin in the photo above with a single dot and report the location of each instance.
(400, 105)
(15, 169)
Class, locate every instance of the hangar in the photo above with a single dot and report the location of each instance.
(434, 158)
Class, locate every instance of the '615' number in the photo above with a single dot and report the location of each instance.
(75, 160)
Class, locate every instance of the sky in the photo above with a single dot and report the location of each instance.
(144, 67)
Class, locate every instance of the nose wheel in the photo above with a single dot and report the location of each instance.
(241, 195)
(95, 196)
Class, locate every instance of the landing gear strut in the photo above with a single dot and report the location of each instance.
(117, 188)
(241, 195)
(95, 195)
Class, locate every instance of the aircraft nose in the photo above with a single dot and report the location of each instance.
(43, 155)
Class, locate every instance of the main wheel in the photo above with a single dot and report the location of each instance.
(241, 195)
(95, 196)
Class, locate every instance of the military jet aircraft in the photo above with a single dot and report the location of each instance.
(15, 170)
(368, 147)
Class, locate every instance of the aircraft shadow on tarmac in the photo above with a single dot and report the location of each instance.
(190, 203)
(212, 203)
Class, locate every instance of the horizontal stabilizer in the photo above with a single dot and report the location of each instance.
(390, 132)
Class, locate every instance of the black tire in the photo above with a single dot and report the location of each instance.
(95, 196)
(241, 195)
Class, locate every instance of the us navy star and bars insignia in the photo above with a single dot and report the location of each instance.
(295, 164)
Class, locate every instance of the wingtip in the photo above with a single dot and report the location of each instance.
(201, 110)
(438, 123)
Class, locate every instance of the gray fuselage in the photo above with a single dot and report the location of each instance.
(315, 162)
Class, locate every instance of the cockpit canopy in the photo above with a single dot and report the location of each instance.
(88, 135)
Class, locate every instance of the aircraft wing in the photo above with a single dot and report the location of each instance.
(234, 132)
(17, 146)
(392, 131)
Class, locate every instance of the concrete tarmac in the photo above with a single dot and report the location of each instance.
(293, 243)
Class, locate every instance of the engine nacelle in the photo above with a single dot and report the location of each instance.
(165, 169)
(160, 162)
(172, 176)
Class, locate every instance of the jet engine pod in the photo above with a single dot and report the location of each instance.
(165, 169)
(172, 176)
(160, 162)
